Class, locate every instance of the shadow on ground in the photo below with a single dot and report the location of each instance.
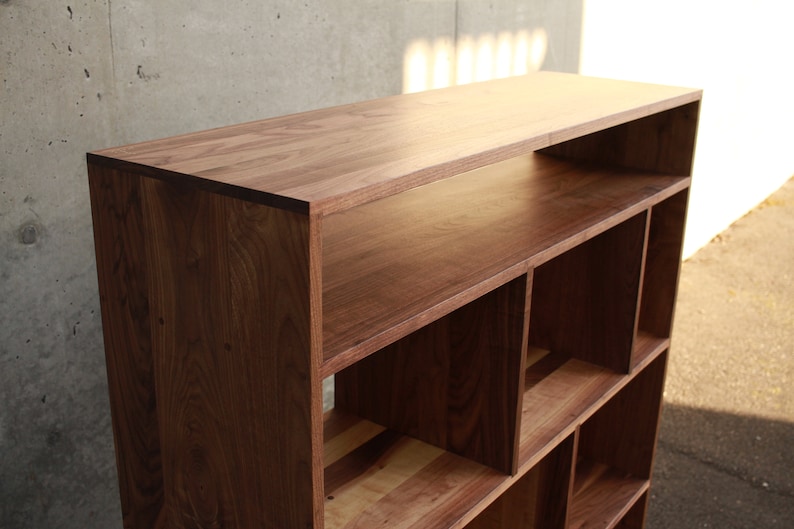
(721, 470)
(726, 443)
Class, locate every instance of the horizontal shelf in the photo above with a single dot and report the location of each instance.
(334, 158)
(601, 496)
(561, 393)
(375, 477)
(392, 266)
(372, 473)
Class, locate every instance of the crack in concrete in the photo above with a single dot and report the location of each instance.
(723, 469)
(112, 48)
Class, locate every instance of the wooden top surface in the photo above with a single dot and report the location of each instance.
(333, 159)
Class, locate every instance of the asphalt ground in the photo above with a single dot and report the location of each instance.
(725, 457)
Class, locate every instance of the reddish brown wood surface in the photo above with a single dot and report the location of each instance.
(235, 400)
(455, 384)
(394, 265)
(663, 263)
(584, 301)
(383, 479)
(120, 235)
(538, 499)
(622, 434)
(334, 159)
(663, 142)
(503, 314)
(556, 404)
(635, 518)
(602, 496)
(198, 394)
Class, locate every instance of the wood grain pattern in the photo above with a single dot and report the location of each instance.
(557, 402)
(603, 496)
(390, 480)
(536, 500)
(236, 403)
(663, 264)
(584, 302)
(120, 243)
(556, 476)
(497, 318)
(394, 265)
(515, 508)
(333, 159)
(635, 518)
(622, 434)
(555, 406)
(456, 383)
(663, 142)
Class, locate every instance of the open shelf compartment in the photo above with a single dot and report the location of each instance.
(536, 500)
(584, 301)
(561, 393)
(376, 477)
(455, 383)
(615, 451)
(396, 264)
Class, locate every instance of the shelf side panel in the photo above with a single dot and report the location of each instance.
(662, 265)
(662, 142)
(455, 383)
(233, 340)
(119, 240)
(584, 301)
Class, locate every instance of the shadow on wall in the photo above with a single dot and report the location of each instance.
(716, 469)
(446, 62)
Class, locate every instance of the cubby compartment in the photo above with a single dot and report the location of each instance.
(584, 301)
(395, 264)
(536, 500)
(455, 383)
(421, 413)
(615, 451)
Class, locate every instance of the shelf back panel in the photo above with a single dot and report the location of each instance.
(456, 383)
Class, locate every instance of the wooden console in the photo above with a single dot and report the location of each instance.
(489, 272)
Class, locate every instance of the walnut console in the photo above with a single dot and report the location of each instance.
(488, 271)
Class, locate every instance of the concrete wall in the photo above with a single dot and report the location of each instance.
(79, 75)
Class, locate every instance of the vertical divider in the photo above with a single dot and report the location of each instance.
(456, 383)
(663, 263)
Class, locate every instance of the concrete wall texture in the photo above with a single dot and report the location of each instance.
(79, 75)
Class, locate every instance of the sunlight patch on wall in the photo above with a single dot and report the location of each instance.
(444, 62)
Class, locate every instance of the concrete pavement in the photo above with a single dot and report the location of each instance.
(726, 448)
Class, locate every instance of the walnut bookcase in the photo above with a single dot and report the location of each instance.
(489, 271)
